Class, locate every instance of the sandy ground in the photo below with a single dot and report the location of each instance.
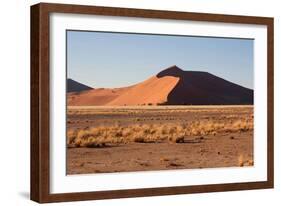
(222, 151)
(204, 151)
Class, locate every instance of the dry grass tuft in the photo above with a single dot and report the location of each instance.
(151, 133)
(174, 164)
(164, 159)
(251, 162)
(241, 161)
(176, 139)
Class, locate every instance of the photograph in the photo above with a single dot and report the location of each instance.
(151, 102)
(129, 102)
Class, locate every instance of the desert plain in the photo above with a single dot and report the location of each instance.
(105, 139)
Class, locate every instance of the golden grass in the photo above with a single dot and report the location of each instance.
(152, 133)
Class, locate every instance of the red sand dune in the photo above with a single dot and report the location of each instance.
(172, 86)
(152, 91)
(203, 88)
(94, 96)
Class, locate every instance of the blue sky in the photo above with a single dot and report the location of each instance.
(109, 60)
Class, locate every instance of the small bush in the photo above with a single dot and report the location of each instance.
(139, 139)
(250, 162)
(176, 139)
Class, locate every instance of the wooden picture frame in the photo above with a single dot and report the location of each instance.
(40, 98)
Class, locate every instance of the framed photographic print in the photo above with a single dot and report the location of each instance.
(131, 102)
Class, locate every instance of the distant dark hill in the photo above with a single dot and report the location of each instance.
(203, 88)
(74, 86)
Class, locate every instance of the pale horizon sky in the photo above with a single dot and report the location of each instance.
(110, 60)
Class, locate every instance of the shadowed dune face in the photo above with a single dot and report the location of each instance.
(171, 86)
(203, 88)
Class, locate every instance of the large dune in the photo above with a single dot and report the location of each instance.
(152, 91)
(203, 88)
(172, 86)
